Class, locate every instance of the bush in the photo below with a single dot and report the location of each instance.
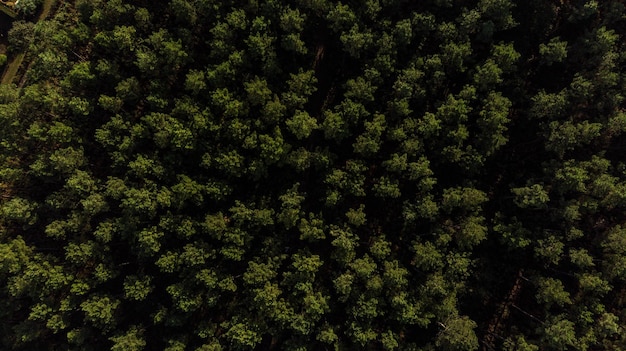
(28, 7)
(21, 35)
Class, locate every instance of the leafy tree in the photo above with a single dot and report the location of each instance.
(314, 175)
(553, 52)
(28, 7)
(21, 35)
(458, 334)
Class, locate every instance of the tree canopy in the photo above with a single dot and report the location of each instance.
(315, 175)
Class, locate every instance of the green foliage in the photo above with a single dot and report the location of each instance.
(553, 52)
(458, 334)
(21, 35)
(19, 210)
(99, 311)
(301, 124)
(28, 7)
(551, 291)
(560, 334)
(533, 196)
(132, 340)
(241, 337)
(310, 175)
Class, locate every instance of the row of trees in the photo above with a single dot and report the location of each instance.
(198, 175)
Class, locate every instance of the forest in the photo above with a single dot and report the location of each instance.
(313, 175)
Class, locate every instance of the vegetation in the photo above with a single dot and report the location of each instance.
(315, 175)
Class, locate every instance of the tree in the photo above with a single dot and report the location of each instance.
(28, 7)
(457, 334)
(301, 124)
(132, 340)
(314, 174)
(559, 334)
(21, 35)
(553, 52)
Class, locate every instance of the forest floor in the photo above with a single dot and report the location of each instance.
(15, 63)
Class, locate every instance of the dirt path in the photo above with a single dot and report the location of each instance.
(12, 66)
(498, 321)
(47, 8)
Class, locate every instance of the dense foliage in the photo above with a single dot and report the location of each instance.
(316, 175)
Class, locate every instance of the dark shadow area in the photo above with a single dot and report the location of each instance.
(5, 25)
